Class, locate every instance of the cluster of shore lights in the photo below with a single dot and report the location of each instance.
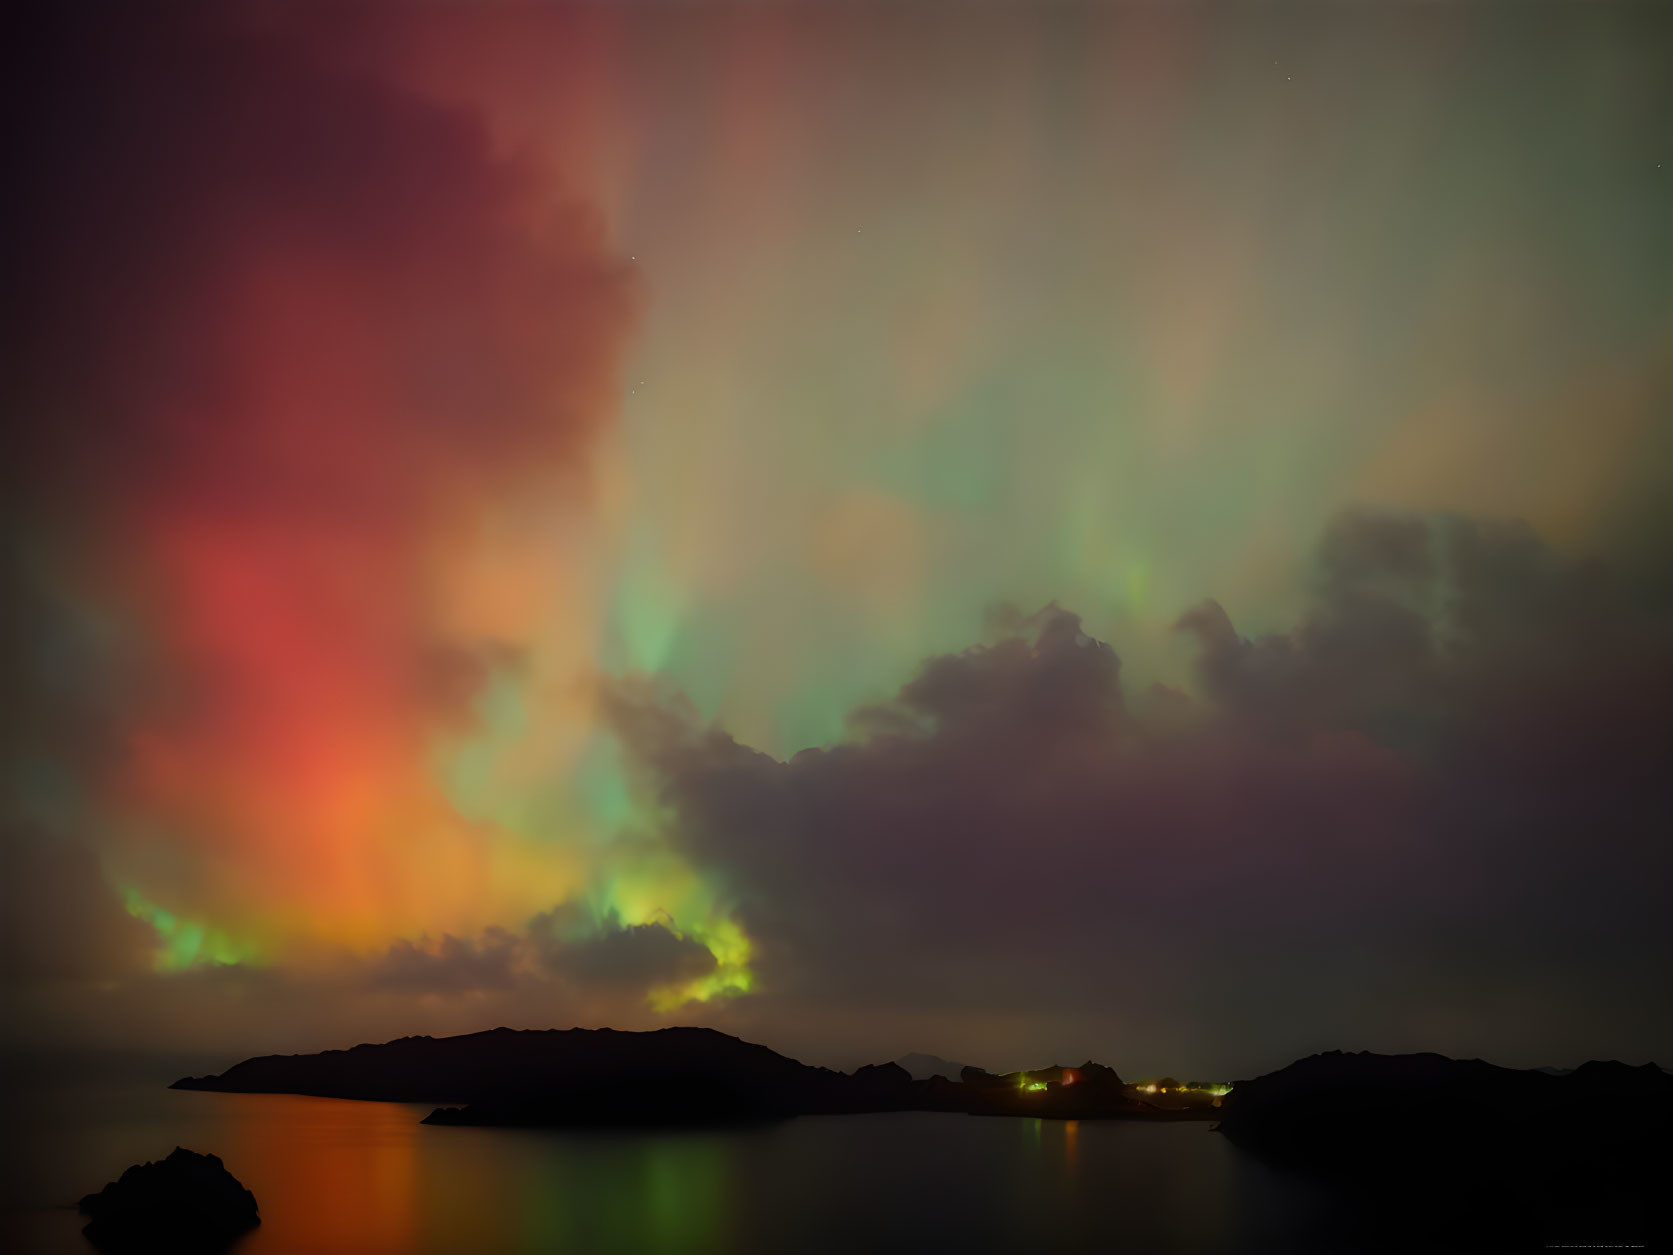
(1219, 1091)
(1068, 1077)
(1071, 1075)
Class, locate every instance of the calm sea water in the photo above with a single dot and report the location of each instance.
(367, 1179)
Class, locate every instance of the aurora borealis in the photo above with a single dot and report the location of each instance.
(1001, 529)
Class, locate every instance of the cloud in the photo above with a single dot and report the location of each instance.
(450, 964)
(1429, 815)
(562, 947)
(637, 957)
(292, 338)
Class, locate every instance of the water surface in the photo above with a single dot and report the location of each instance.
(368, 1179)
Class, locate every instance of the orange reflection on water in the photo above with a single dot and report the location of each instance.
(329, 1175)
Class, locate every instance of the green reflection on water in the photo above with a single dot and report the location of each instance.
(669, 1194)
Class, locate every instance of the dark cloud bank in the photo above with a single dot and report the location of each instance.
(565, 944)
(1433, 815)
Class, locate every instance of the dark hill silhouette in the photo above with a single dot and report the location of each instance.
(575, 1076)
(923, 1066)
(1572, 1158)
(669, 1076)
(501, 1063)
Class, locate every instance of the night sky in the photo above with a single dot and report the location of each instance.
(1021, 531)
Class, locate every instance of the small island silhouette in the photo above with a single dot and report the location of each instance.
(184, 1204)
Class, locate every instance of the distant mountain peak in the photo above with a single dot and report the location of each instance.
(922, 1066)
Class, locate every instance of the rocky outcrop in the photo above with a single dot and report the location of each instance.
(183, 1204)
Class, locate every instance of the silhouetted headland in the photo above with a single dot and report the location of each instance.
(187, 1204)
(1573, 1157)
(671, 1076)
